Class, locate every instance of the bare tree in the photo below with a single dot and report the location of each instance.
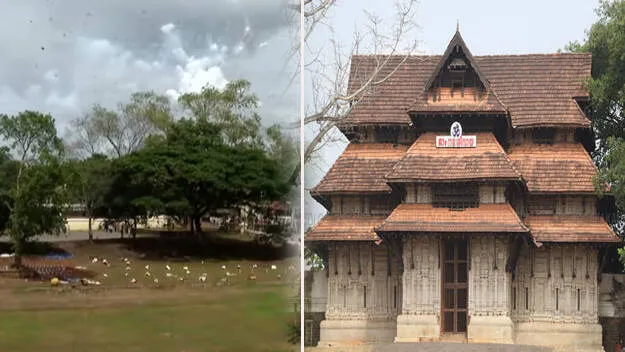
(330, 67)
(122, 131)
(81, 140)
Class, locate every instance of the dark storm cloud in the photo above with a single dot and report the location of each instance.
(62, 56)
(136, 23)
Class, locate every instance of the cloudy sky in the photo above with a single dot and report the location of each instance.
(487, 26)
(62, 56)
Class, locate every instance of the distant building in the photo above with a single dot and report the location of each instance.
(464, 207)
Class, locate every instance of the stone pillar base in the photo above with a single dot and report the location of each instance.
(490, 329)
(417, 328)
(575, 337)
(350, 332)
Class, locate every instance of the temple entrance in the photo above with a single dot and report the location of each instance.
(455, 270)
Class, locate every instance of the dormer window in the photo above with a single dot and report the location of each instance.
(458, 65)
(456, 76)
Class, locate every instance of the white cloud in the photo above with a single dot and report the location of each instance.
(168, 28)
(263, 44)
(195, 75)
(239, 48)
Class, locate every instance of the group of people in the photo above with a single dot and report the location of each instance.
(115, 226)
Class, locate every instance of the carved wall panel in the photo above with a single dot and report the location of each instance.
(556, 283)
(360, 284)
(489, 283)
(421, 279)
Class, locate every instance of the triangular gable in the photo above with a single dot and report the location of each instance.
(456, 42)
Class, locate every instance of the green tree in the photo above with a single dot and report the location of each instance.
(606, 41)
(37, 194)
(232, 109)
(8, 174)
(88, 183)
(192, 173)
(285, 151)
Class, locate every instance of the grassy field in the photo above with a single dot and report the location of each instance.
(216, 314)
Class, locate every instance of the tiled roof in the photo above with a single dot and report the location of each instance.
(570, 228)
(361, 169)
(425, 162)
(345, 228)
(536, 89)
(562, 167)
(426, 218)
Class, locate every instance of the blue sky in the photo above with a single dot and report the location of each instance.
(487, 26)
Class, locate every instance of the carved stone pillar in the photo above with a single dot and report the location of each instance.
(489, 291)
(420, 316)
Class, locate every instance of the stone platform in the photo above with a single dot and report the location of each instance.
(432, 347)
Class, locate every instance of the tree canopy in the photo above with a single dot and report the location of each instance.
(33, 184)
(196, 170)
(140, 160)
(606, 41)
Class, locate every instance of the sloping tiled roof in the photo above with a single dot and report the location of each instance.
(570, 228)
(426, 218)
(425, 162)
(345, 228)
(361, 169)
(537, 89)
(562, 167)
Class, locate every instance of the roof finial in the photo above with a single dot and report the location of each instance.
(458, 25)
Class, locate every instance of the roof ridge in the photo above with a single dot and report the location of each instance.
(537, 54)
(583, 54)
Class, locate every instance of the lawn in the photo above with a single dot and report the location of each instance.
(237, 314)
(249, 320)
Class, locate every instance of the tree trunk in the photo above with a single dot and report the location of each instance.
(134, 230)
(18, 247)
(191, 225)
(90, 230)
(198, 224)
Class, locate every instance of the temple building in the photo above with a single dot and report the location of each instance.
(463, 207)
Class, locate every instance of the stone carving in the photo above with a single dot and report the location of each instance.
(568, 295)
(360, 288)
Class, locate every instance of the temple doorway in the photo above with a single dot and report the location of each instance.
(455, 270)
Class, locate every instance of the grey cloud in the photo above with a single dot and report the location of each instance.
(62, 56)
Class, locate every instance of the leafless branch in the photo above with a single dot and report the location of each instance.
(330, 68)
